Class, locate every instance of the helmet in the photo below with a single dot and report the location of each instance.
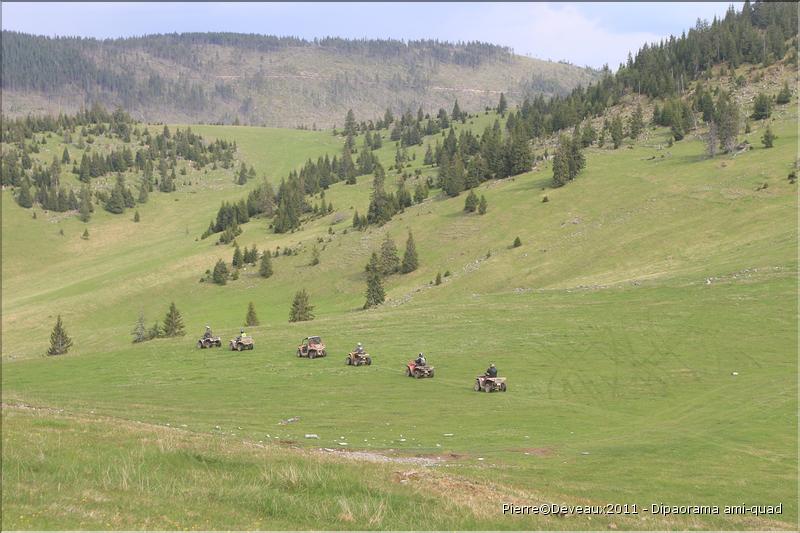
(492, 365)
(208, 327)
(359, 344)
(420, 354)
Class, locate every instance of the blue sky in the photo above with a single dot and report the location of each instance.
(582, 33)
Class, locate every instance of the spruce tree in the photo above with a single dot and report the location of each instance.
(265, 269)
(636, 123)
(785, 95)
(238, 261)
(220, 274)
(438, 280)
(24, 198)
(517, 243)
(616, 131)
(482, 205)
(375, 293)
(136, 217)
(139, 330)
(251, 319)
(502, 105)
(85, 235)
(301, 308)
(60, 343)
(762, 107)
(410, 259)
(471, 202)
(173, 322)
(389, 260)
(768, 138)
(65, 159)
(85, 207)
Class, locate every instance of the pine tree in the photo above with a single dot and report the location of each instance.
(251, 319)
(314, 256)
(471, 202)
(139, 330)
(768, 138)
(375, 293)
(301, 308)
(85, 235)
(136, 217)
(482, 206)
(220, 274)
(60, 343)
(410, 259)
(389, 260)
(517, 243)
(265, 270)
(173, 322)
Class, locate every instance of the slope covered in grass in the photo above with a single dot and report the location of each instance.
(646, 326)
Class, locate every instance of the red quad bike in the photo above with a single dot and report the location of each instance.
(311, 347)
(415, 371)
(487, 384)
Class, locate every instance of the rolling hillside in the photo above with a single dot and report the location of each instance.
(265, 80)
(646, 325)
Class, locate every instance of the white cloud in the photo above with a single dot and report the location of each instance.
(559, 32)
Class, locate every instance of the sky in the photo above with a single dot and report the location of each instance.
(583, 33)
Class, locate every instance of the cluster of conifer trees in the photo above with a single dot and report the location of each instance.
(156, 153)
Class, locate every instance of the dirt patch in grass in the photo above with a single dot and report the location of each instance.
(540, 452)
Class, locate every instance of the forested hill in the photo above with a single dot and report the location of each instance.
(267, 80)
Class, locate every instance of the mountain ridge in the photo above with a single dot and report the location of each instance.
(266, 80)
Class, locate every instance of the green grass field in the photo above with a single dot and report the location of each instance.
(639, 290)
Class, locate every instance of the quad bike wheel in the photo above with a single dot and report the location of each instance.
(503, 387)
(200, 344)
(431, 373)
(487, 387)
(348, 362)
(239, 347)
(299, 354)
(312, 354)
(369, 361)
(477, 386)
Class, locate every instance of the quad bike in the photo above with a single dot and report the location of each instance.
(242, 343)
(311, 347)
(358, 359)
(413, 370)
(209, 342)
(487, 384)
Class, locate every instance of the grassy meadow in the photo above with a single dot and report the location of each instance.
(647, 328)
